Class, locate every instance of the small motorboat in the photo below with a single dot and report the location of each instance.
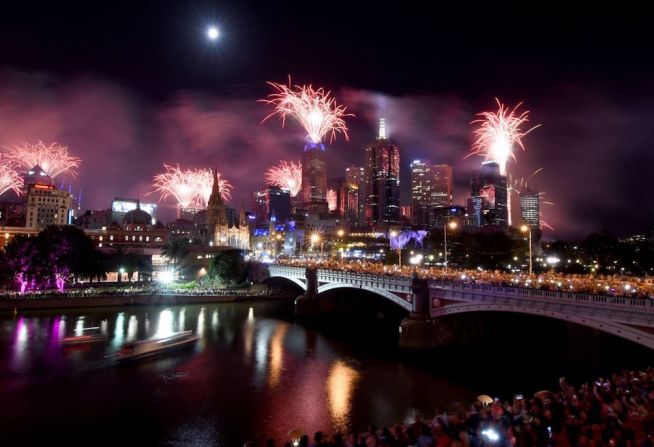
(155, 346)
(89, 335)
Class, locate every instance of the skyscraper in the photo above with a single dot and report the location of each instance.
(431, 187)
(441, 186)
(421, 197)
(382, 173)
(314, 178)
(271, 200)
(530, 209)
(489, 187)
(354, 196)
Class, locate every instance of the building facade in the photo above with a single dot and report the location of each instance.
(530, 209)
(47, 205)
(314, 178)
(221, 230)
(354, 196)
(270, 201)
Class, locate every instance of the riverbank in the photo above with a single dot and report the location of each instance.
(19, 304)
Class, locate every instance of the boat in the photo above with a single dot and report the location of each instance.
(155, 346)
(89, 335)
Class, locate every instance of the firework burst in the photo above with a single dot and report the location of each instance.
(313, 109)
(332, 201)
(9, 177)
(191, 187)
(287, 176)
(498, 133)
(204, 180)
(54, 159)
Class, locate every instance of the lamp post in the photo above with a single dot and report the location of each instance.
(527, 229)
(452, 226)
(399, 248)
(315, 238)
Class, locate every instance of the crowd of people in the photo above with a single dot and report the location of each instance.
(616, 411)
(611, 285)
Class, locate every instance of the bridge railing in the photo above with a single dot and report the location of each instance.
(602, 300)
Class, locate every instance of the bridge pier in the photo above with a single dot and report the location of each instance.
(309, 304)
(419, 330)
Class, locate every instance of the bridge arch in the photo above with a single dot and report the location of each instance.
(620, 330)
(292, 279)
(406, 305)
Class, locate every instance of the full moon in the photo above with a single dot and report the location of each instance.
(212, 32)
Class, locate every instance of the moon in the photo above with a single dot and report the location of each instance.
(212, 33)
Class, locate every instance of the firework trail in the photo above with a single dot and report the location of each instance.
(313, 109)
(9, 177)
(204, 180)
(332, 203)
(54, 159)
(287, 176)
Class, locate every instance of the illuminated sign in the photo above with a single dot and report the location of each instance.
(123, 206)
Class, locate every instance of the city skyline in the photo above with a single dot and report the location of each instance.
(593, 145)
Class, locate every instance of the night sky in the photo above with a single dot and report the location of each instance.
(128, 86)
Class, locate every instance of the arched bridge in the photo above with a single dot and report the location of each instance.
(426, 300)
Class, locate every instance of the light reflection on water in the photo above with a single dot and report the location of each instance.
(280, 374)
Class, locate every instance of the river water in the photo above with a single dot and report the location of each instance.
(256, 373)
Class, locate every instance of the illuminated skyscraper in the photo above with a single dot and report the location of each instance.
(382, 173)
(431, 187)
(314, 178)
(489, 192)
(421, 185)
(530, 209)
(354, 196)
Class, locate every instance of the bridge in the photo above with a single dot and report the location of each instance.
(428, 299)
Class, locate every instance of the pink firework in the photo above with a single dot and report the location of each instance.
(286, 176)
(54, 159)
(204, 179)
(182, 185)
(498, 132)
(9, 177)
(332, 202)
(313, 109)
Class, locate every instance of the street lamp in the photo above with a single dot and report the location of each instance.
(394, 234)
(527, 229)
(340, 233)
(315, 238)
(452, 226)
(415, 261)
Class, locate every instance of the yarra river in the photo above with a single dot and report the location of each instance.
(255, 372)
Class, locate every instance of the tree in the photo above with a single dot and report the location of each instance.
(228, 267)
(57, 255)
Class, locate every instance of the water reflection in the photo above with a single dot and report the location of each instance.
(132, 328)
(341, 384)
(165, 327)
(20, 344)
(277, 354)
(79, 326)
(200, 329)
(119, 328)
(181, 318)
